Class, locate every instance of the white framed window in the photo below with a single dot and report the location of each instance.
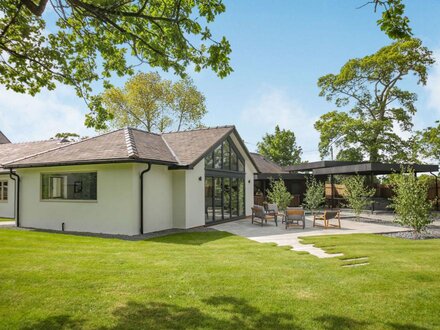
(69, 186)
(4, 191)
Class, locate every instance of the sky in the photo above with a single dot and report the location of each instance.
(279, 50)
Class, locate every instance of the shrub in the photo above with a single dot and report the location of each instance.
(278, 194)
(314, 197)
(410, 201)
(357, 193)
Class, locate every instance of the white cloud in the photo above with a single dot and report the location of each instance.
(275, 107)
(27, 118)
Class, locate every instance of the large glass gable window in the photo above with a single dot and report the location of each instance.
(224, 183)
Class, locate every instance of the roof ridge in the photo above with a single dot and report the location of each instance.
(170, 149)
(200, 129)
(143, 131)
(36, 141)
(61, 147)
(131, 145)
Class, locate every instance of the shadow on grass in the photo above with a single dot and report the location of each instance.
(55, 322)
(398, 326)
(191, 238)
(232, 313)
(334, 322)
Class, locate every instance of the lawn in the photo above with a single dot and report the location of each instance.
(215, 280)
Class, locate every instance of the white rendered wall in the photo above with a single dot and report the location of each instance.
(114, 212)
(7, 207)
(179, 199)
(158, 198)
(195, 196)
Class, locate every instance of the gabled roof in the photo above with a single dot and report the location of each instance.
(3, 138)
(178, 149)
(190, 146)
(13, 151)
(118, 146)
(266, 166)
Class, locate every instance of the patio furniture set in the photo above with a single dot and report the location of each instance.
(293, 216)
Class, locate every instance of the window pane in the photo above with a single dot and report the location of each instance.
(208, 160)
(226, 198)
(218, 199)
(234, 197)
(234, 160)
(226, 155)
(218, 157)
(209, 193)
(76, 186)
(240, 166)
(3, 190)
(241, 210)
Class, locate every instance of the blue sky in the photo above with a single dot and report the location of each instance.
(279, 50)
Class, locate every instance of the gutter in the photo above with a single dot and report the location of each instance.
(142, 197)
(16, 178)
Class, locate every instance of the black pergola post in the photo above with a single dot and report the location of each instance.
(331, 189)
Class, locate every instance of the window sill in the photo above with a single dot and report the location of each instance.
(69, 200)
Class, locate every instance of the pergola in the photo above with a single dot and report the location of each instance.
(331, 168)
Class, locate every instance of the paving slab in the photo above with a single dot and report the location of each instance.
(269, 233)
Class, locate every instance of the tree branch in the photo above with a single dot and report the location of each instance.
(37, 10)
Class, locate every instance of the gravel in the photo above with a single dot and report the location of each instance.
(430, 233)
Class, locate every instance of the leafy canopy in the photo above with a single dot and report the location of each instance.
(393, 20)
(357, 193)
(278, 194)
(93, 40)
(410, 201)
(370, 87)
(280, 147)
(154, 104)
(314, 196)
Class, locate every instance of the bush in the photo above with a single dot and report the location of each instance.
(411, 201)
(278, 194)
(314, 197)
(357, 194)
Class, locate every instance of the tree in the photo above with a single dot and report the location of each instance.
(93, 40)
(278, 194)
(314, 196)
(350, 154)
(370, 85)
(154, 104)
(280, 147)
(72, 137)
(188, 104)
(393, 21)
(430, 141)
(357, 194)
(410, 201)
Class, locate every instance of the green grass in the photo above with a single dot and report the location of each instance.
(215, 280)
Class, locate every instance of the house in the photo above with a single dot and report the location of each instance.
(128, 181)
(269, 170)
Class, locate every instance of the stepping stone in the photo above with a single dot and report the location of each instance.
(355, 259)
(356, 265)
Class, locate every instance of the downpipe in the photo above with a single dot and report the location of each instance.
(142, 197)
(16, 178)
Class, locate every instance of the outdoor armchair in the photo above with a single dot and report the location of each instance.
(259, 215)
(295, 217)
(273, 209)
(326, 217)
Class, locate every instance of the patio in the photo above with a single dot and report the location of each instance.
(269, 233)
